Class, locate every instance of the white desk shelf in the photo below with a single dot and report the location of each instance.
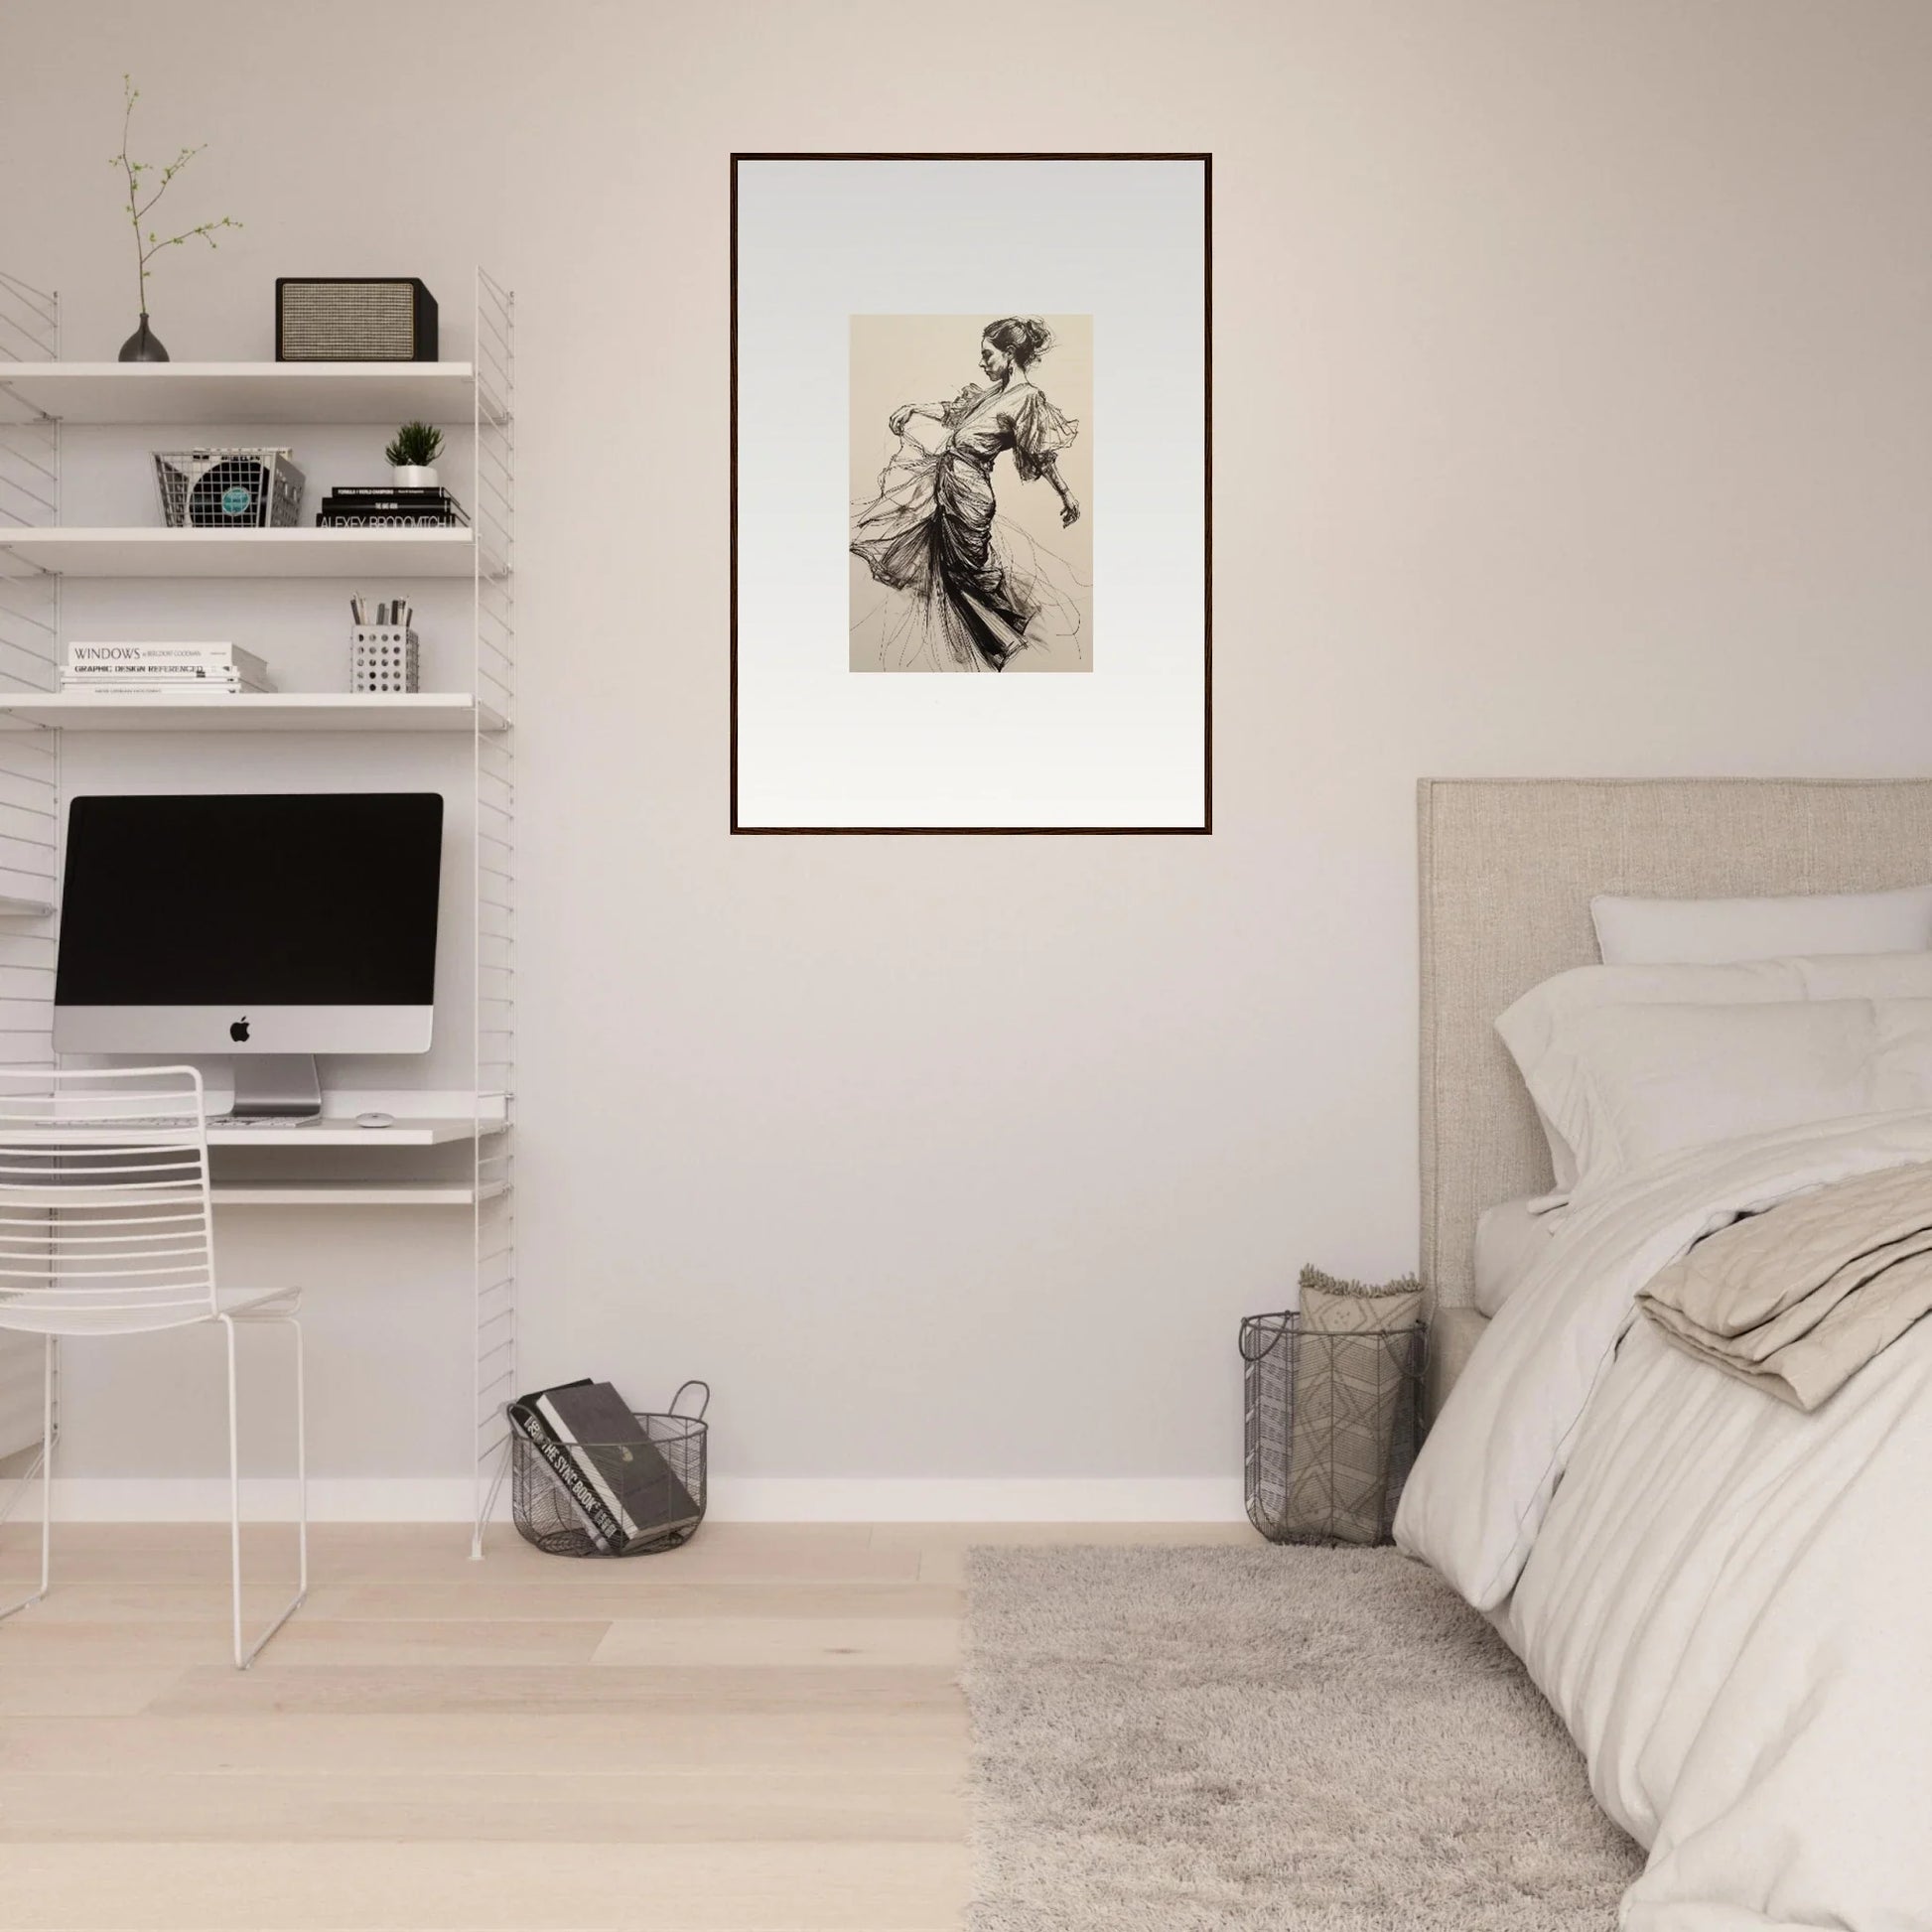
(139, 552)
(48, 411)
(264, 711)
(436, 1131)
(350, 1194)
(211, 393)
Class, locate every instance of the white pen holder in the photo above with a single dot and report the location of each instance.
(382, 658)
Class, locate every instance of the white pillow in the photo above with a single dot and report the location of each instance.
(1709, 932)
(1627, 1086)
(1511, 1238)
(1529, 1029)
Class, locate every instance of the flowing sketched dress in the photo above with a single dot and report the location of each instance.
(970, 591)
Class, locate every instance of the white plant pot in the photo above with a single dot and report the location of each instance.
(414, 475)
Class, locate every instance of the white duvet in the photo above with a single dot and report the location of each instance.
(1727, 1601)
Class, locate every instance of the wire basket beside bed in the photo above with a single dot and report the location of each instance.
(1333, 1424)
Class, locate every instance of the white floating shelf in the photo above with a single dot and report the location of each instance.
(423, 1130)
(349, 1193)
(345, 1133)
(261, 711)
(310, 552)
(244, 393)
(24, 909)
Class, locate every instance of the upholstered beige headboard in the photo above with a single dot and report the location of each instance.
(1507, 870)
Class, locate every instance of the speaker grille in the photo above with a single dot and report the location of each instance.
(349, 322)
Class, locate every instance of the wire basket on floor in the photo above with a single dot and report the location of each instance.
(548, 1515)
(1333, 1423)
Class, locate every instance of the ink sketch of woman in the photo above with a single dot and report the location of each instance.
(966, 589)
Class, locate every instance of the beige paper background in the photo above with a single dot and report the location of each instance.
(929, 359)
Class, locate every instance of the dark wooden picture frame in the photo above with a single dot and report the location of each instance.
(1206, 825)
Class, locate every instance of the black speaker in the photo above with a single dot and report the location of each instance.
(353, 318)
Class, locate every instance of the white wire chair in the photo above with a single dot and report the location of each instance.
(106, 1229)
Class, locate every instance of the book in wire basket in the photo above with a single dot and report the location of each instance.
(589, 1476)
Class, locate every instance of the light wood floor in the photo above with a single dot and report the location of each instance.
(759, 1733)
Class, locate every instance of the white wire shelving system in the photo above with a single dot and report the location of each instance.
(30, 792)
(31, 637)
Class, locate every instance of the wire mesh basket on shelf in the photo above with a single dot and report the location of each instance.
(1333, 1423)
(228, 490)
(545, 1493)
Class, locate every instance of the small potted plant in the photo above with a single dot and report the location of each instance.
(412, 454)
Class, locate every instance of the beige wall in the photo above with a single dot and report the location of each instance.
(1575, 378)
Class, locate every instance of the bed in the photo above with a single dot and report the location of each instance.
(1722, 1597)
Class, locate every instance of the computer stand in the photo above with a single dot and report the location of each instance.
(276, 1086)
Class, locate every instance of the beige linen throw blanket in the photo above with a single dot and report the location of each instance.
(1797, 1300)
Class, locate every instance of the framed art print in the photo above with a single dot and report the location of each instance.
(971, 493)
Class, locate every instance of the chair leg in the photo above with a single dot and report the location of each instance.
(47, 1484)
(245, 1654)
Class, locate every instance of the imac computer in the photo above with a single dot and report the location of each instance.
(266, 927)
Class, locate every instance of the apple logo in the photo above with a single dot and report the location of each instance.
(239, 1031)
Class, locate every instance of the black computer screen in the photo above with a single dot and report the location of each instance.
(261, 899)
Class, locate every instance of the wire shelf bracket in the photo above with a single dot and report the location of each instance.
(493, 890)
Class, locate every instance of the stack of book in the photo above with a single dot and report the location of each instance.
(119, 669)
(616, 1478)
(384, 506)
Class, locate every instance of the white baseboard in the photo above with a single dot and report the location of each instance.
(734, 1499)
(972, 1500)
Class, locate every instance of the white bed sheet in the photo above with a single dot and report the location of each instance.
(1725, 1598)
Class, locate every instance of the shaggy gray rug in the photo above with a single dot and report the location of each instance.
(1209, 1739)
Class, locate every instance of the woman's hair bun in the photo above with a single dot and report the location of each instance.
(1024, 337)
